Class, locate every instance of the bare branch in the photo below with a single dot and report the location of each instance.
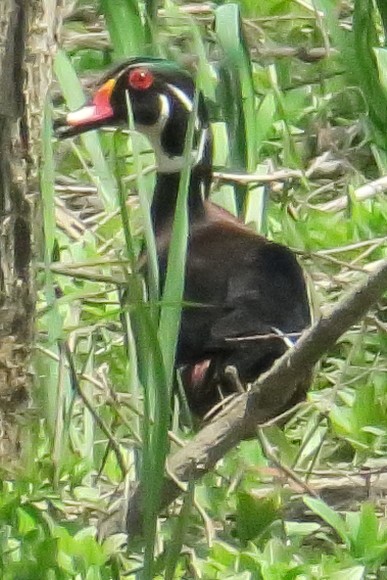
(247, 178)
(364, 192)
(269, 397)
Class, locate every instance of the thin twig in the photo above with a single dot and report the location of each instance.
(246, 178)
(362, 193)
(269, 452)
(90, 407)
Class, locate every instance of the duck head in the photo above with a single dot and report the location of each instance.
(161, 97)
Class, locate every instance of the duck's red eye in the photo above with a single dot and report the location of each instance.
(140, 79)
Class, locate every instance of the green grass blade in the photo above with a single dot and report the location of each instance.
(152, 375)
(366, 39)
(49, 225)
(329, 515)
(151, 10)
(48, 368)
(174, 283)
(256, 205)
(177, 539)
(73, 94)
(55, 388)
(156, 451)
(382, 7)
(238, 91)
(150, 366)
(125, 27)
(265, 118)
(152, 264)
(47, 183)
(151, 371)
(205, 77)
(357, 52)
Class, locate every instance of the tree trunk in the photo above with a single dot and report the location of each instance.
(27, 41)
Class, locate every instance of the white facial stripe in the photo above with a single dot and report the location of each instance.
(181, 96)
(165, 163)
(197, 155)
(165, 109)
(202, 143)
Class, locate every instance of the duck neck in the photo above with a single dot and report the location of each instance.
(166, 192)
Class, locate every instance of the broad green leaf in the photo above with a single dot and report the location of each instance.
(254, 515)
(329, 515)
(353, 573)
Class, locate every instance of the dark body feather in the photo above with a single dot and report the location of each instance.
(237, 284)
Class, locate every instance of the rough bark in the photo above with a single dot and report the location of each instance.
(27, 40)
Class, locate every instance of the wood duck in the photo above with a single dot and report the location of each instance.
(247, 286)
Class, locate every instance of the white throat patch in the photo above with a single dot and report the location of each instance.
(165, 162)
